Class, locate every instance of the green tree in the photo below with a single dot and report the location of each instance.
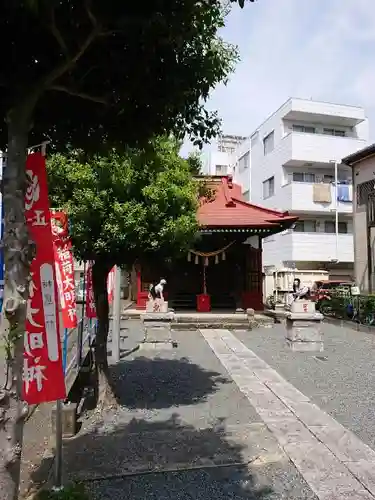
(123, 208)
(86, 73)
(195, 162)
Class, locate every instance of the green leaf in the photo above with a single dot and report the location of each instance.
(127, 206)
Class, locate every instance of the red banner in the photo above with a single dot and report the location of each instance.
(64, 268)
(111, 284)
(90, 300)
(43, 375)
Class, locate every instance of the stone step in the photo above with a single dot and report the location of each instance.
(202, 320)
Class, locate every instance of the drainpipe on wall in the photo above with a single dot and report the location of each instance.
(336, 214)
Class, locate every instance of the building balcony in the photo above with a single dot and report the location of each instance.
(301, 149)
(322, 112)
(317, 247)
(303, 197)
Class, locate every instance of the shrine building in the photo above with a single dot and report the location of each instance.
(223, 271)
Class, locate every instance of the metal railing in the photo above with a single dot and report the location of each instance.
(76, 344)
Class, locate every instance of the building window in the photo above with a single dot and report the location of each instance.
(269, 188)
(363, 190)
(269, 143)
(327, 179)
(246, 195)
(221, 169)
(330, 227)
(335, 132)
(304, 129)
(244, 162)
(303, 177)
(226, 149)
(305, 226)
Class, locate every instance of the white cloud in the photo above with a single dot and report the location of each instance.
(321, 49)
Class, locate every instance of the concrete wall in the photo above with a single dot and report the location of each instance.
(304, 152)
(362, 172)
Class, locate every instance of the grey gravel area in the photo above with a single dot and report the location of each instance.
(179, 409)
(270, 482)
(340, 380)
(154, 384)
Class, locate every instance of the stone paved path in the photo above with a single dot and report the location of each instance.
(184, 430)
(334, 462)
(340, 380)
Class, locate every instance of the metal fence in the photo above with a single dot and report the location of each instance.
(76, 344)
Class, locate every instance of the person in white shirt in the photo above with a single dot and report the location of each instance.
(300, 292)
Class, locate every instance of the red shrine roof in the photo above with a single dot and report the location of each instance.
(229, 209)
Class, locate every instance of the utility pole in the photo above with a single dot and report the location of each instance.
(116, 321)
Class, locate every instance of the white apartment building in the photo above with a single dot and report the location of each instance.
(221, 160)
(289, 163)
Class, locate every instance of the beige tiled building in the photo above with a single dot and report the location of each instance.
(363, 168)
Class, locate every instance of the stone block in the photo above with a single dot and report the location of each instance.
(156, 306)
(69, 420)
(250, 312)
(311, 317)
(299, 346)
(304, 327)
(157, 317)
(307, 332)
(302, 306)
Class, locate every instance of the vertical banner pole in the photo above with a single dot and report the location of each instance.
(90, 328)
(58, 479)
(116, 321)
(59, 446)
(81, 325)
(65, 350)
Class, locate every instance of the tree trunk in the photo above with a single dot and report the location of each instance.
(106, 394)
(18, 253)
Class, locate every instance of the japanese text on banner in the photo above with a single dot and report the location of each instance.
(90, 299)
(43, 373)
(64, 268)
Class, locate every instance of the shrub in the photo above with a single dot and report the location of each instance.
(72, 492)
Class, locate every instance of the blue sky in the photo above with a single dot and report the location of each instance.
(319, 49)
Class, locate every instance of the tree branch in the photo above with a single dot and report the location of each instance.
(45, 83)
(67, 65)
(76, 93)
(90, 14)
(56, 33)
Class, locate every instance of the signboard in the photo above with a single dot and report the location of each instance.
(64, 268)
(43, 376)
(90, 300)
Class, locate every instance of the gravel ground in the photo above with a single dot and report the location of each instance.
(341, 382)
(179, 409)
(266, 483)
